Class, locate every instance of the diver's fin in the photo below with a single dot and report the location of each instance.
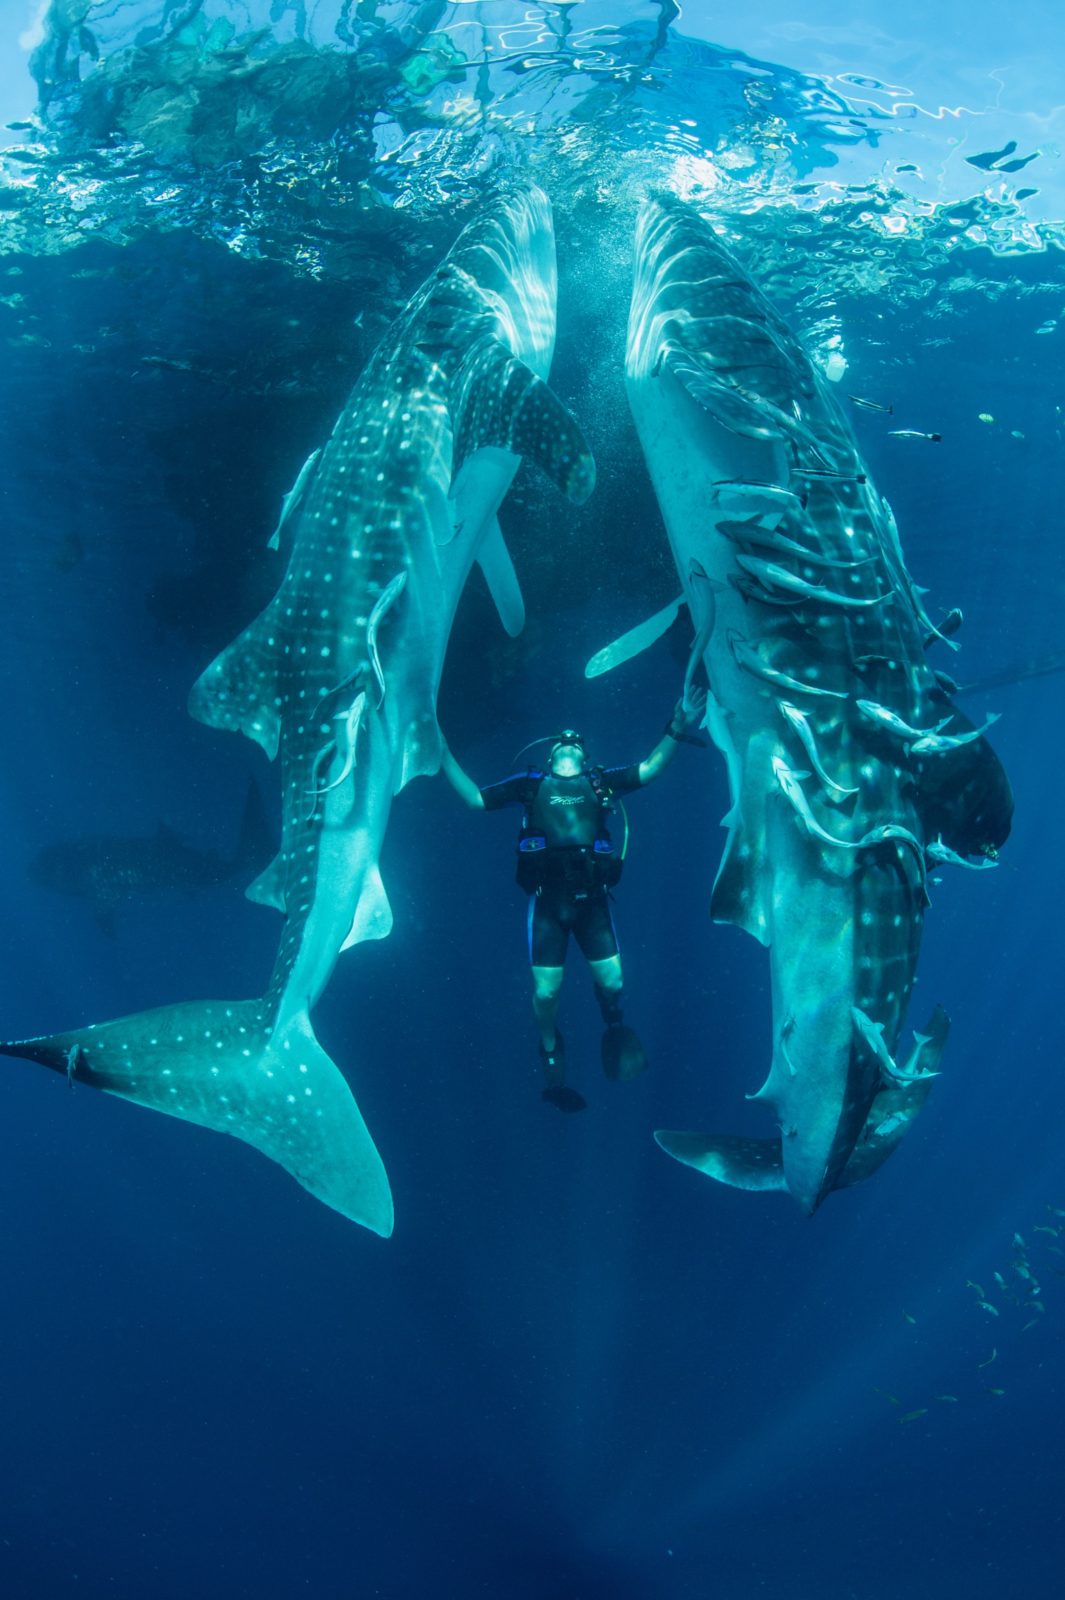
(622, 1054)
(755, 1164)
(268, 889)
(222, 1066)
(502, 580)
(563, 1097)
(639, 638)
(373, 914)
(238, 690)
(512, 409)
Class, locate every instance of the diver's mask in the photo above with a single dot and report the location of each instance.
(568, 736)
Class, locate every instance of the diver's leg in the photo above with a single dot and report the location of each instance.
(547, 985)
(609, 985)
(548, 940)
(597, 937)
(622, 1052)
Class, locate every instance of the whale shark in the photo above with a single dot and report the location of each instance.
(804, 614)
(339, 677)
(109, 872)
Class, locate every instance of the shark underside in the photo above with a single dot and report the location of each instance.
(848, 764)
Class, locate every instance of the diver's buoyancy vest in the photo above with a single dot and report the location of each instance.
(558, 854)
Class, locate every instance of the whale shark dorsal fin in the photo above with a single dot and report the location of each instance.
(238, 690)
(753, 1164)
(637, 639)
(373, 914)
(268, 889)
(510, 408)
(502, 580)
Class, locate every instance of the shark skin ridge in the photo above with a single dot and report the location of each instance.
(749, 451)
(339, 676)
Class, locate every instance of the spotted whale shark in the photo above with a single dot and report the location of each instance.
(339, 677)
(846, 758)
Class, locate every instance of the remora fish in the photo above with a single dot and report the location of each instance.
(409, 483)
(801, 723)
(721, 392)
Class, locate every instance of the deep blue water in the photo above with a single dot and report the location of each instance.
(577, 1369)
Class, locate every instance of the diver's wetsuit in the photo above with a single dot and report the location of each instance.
(569, 814)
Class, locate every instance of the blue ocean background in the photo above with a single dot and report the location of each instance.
(578, 1369)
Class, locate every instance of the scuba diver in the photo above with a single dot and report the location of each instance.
(567, 865)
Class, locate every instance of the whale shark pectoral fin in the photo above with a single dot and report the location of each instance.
(637, 639)
(373, 914)
(502, 580)
(512, 409)
(268, 889)
(238, 690)
(753, 1164)
(222, 1066)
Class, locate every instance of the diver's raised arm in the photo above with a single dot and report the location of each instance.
(460, 781)
(680, 729)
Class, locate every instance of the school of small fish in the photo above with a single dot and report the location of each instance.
(1008, 1295)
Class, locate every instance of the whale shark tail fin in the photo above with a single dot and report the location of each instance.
(223, 1065)
(755, 1164)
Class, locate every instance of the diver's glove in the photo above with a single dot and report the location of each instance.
(687, 717)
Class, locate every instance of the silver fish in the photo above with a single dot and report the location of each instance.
(943, 855)
(384, 603)
(773, 576)
(870, 405)
(936, 744)
(294, 496)
(749, 659)
(800, 723)
(789, 782)
(891, 722)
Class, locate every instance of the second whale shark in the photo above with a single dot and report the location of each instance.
(340, 675)
(847, 762)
